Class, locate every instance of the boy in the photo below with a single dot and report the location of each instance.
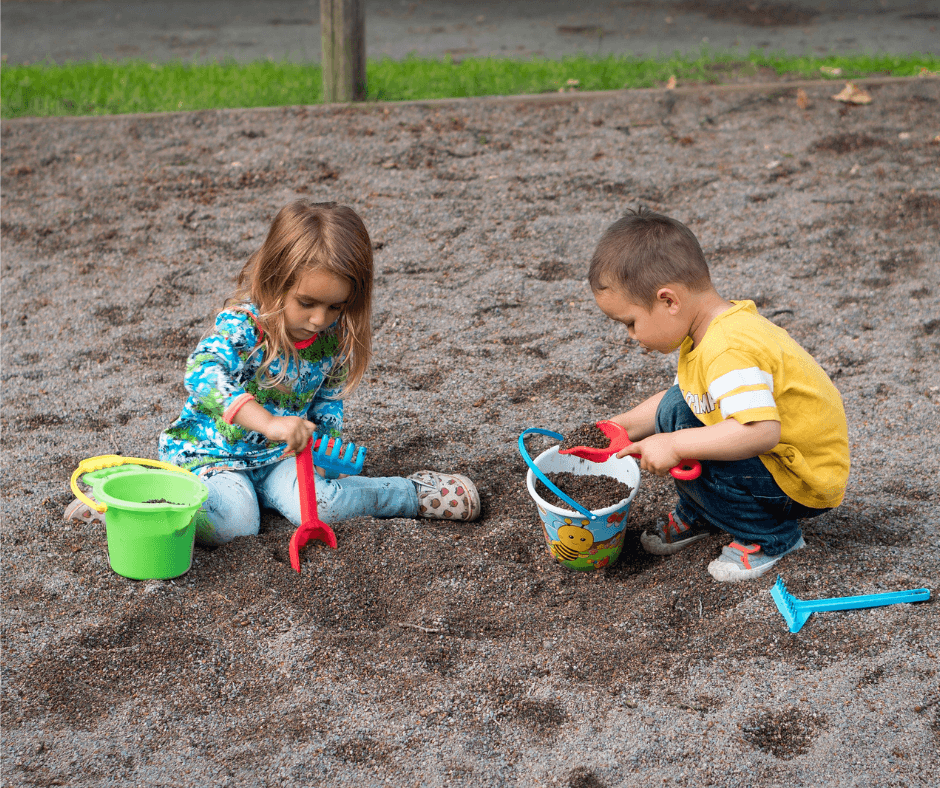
(761, 414)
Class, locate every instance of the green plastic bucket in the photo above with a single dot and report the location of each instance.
(149, 518)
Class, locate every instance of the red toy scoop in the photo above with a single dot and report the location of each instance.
(311, 526)
(619, 440)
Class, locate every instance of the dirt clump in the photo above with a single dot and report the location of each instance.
(588, 435)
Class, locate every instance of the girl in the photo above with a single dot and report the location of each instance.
(293, 340)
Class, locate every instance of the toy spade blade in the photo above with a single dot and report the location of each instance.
(796, 612)
(618, 440)
(311, 526)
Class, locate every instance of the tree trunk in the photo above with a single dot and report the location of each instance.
(343, 38)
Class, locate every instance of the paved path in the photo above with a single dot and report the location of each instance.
(246, 30)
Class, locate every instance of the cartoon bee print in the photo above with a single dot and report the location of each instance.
(572, 542)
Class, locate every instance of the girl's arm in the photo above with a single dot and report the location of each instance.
(641, 421)
(292, 430)
(214, 374)
(727, 440)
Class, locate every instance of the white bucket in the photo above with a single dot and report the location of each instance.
(578, 542)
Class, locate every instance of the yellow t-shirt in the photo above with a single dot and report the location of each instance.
(747, 369)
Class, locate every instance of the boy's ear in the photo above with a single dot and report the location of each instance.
(670, 297)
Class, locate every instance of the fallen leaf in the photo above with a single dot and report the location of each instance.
(852, 94)
(831, 71)
(802, 100)
(671, 84)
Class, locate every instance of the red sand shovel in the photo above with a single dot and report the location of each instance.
(311, 526)
(619, 440)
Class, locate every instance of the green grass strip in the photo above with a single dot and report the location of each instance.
(112, 88)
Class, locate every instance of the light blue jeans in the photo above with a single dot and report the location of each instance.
(236, 497)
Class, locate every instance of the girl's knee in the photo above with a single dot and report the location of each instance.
(230, 511)
(214, 531)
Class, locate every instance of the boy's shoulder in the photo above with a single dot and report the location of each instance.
(741, 321)
(742, 331)
(740, 310)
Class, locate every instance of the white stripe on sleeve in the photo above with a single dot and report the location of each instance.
(752, 376)
(747, 400)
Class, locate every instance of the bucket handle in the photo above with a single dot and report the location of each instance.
(541, 476)
(111, 461)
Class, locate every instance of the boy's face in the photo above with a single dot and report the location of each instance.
(658, 328)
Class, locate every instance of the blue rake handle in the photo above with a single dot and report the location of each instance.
(796, 612)
(541, 476)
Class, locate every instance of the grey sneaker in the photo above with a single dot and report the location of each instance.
(745, 562)
(672, 537)
(446, 496)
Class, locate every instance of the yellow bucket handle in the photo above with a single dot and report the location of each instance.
(110, 461)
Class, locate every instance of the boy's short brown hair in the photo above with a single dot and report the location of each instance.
(644, 251)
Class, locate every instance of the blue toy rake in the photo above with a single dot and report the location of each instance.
(796, 612)
(336, 456)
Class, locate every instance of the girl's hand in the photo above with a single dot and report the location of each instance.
(657, 453)
(322, 472)
(292, 430)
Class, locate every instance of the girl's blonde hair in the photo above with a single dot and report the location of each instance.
(307, 236)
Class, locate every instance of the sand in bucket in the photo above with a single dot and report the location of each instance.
(575, 541)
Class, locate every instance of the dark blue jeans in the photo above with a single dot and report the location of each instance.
(739, 497)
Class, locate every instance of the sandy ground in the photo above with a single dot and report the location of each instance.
(434, 654)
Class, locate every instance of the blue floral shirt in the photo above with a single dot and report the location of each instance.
(222, 375)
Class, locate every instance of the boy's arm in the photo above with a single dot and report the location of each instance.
(641, 421)
(728, 440)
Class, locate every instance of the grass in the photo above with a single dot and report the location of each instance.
(112, 88)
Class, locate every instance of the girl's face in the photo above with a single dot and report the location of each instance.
(313, 305)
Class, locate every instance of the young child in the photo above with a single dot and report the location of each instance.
(757, 410)
(291, 343)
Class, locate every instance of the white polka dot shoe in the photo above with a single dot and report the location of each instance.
(81, 511)
(446, 496)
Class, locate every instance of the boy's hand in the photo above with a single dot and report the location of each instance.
(657, 453)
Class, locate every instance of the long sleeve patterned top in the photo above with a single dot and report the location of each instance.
(222, 375)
